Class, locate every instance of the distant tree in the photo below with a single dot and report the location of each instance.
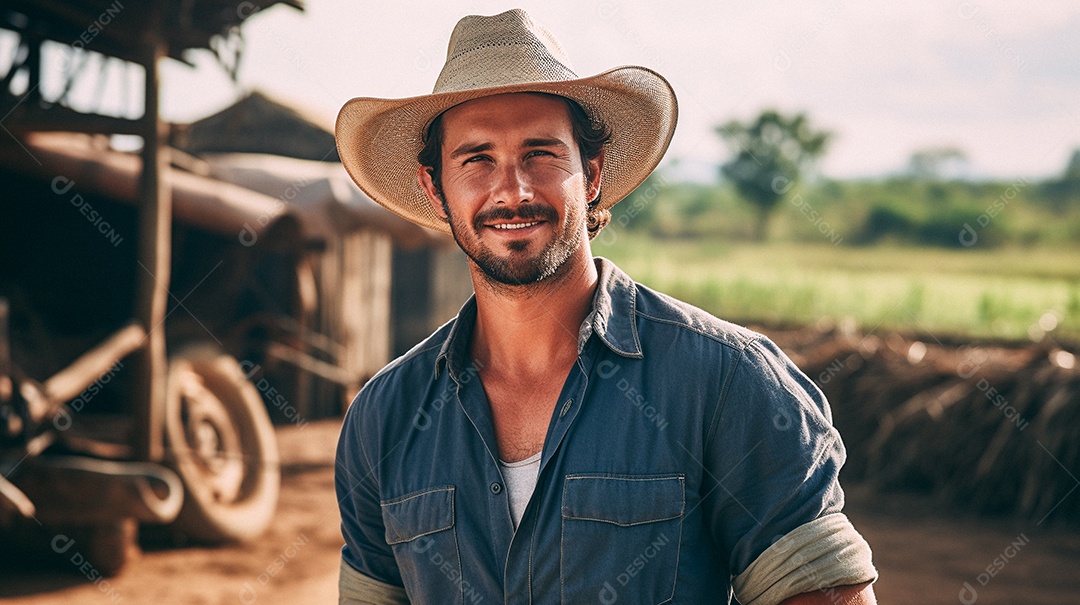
(1061, 193)
(1072, 169)
(936, 163)
(771, 154)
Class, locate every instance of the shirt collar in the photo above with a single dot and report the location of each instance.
(614, 314)
(454, 352)
(612, 319)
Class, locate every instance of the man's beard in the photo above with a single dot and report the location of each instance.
(517, 268)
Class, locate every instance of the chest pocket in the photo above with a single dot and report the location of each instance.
(620, 537)
(420, 528)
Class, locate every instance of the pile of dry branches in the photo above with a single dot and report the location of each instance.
(992, 427)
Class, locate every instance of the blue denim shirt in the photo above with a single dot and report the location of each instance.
(681, 447)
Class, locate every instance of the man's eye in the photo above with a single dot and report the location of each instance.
(539, 152)
(475, 158)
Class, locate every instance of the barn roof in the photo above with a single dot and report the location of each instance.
(119, 28)
(258, 123)
(238, 194)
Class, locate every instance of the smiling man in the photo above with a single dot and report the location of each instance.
(571, 436)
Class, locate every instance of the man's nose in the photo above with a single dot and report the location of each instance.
(512, 185)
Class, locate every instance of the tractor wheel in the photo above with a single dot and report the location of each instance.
(220, 441)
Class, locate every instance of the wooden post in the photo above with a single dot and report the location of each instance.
(155, 249)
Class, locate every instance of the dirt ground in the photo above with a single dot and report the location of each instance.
(923, 555)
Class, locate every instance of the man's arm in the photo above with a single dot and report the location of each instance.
(779, 512)
(369, 574)
(859, 594)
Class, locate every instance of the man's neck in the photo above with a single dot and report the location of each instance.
(525, 331)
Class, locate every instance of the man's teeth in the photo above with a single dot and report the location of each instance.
(515, 225)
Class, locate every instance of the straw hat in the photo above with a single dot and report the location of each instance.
(378, 139)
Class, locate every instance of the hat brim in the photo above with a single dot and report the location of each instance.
(378, 139)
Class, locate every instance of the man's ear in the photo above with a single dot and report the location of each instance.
(592, 187)
(428, 185)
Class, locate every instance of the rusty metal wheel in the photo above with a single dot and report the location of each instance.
(221, 443)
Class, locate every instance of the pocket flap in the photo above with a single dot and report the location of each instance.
(623, 499)
(418, 514)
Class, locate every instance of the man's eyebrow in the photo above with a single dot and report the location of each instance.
(467, 148)
(545, 142)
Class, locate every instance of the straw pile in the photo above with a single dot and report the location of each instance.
(994, 428)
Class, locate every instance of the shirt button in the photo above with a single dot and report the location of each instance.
(496, 488)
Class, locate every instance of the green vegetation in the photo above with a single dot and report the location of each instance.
(989, 259)
(770, 155)
(902, 211)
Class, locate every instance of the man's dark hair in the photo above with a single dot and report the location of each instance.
(589, 134)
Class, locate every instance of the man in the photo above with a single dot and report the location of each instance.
(571, 436)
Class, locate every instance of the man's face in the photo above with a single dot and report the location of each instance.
(513, 186)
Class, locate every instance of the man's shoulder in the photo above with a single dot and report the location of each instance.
(417, 361)
(389, 402)
(662, 309)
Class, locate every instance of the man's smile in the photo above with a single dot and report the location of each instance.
(514, 226)
(524, 219)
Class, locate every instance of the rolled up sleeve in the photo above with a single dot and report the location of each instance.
(821, 554)
(354, 588)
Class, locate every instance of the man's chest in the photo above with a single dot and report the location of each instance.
(520, 416)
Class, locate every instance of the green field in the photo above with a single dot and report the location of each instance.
(1007, 292)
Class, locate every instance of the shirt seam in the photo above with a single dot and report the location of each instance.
(416, 494)
(721, 400)
(369, 469)
(400, 362)
(756, 346)
(713, 337)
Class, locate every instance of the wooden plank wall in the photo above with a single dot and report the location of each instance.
(354, 285)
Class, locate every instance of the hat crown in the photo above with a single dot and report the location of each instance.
(503, 49)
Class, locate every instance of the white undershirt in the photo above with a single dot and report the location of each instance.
(520, 479)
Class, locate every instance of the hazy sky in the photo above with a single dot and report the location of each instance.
(1000, 80)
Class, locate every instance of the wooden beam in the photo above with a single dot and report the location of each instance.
(30, 117)
(155, 248)
(69, 383)
(308, 363)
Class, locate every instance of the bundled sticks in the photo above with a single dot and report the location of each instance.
(993, 428)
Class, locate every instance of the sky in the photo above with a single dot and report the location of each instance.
(998, 80)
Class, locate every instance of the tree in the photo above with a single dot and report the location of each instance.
(1062, 192)
(1072, 169)
(937, 163)
(771, 153)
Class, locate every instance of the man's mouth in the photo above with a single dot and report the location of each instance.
(512, 226)
(523, 218)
